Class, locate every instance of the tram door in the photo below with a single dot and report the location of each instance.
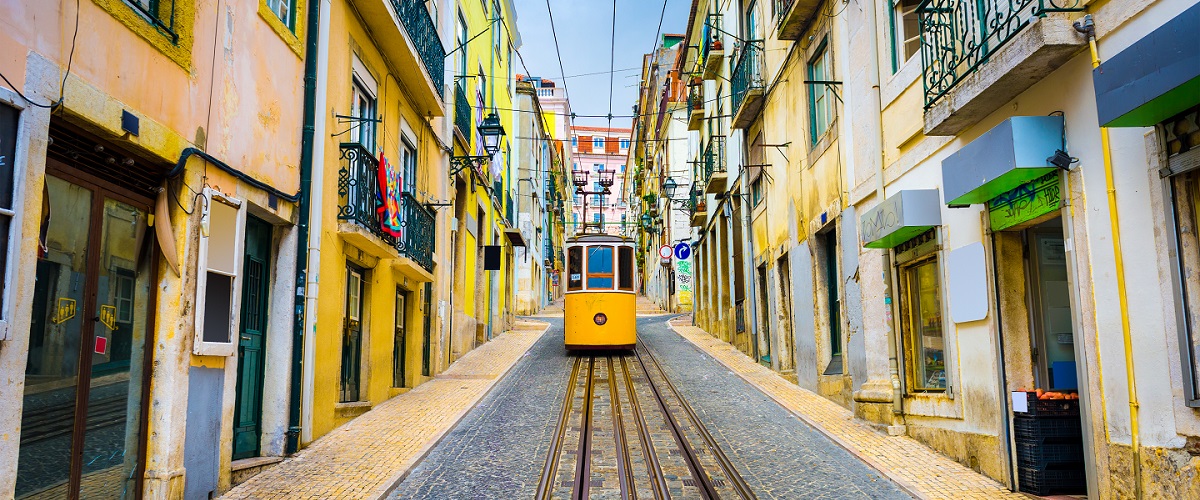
(91, 313)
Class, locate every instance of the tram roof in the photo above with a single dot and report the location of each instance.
(598, 238)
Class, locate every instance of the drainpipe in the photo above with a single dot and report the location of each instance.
(308, 252)
(1088, 27)
(881, 194)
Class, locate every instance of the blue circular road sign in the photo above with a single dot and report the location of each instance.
(683, 251)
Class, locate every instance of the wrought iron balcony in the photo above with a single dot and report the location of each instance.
(747, 84)
(462, 112)
(697, 207)
(713, 165)
(958, 36)
(792, 16)
(423, 33)
(695, 101)
(712, 50)
(359, 197)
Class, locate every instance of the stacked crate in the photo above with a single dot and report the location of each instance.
(1049, 440)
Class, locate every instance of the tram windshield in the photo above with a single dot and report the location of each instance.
(600, 268)
(625, 266)
(575, 268)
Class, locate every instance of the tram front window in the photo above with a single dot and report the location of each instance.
(574, 268)
(600, 268)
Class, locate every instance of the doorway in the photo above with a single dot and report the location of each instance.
(399, 341)
(256, 288)
(86, 380)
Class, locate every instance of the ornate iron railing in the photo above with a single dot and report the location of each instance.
(958, 36)
(423, 34)
(695, 98)
(782, 7)
(462, 111)
(714, 156)
(747, 75)
(358, 199)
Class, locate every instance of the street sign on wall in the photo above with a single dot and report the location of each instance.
(683, 251)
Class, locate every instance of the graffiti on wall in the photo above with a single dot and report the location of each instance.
(683, 282)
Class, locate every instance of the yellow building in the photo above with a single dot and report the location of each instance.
(484, 235)
(378, 175)
(151, 174)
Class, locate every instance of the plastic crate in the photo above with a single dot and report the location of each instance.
(1052, 480)
(1050, 407)
(1041, 455)
(1048, 430)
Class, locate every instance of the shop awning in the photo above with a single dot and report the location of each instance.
(901, 217)
(1014, 152)
(1155, 78)
(515, 237)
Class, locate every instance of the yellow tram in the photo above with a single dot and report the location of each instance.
(600, 300)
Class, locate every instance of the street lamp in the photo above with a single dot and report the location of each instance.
(669, 187)
(492, 133)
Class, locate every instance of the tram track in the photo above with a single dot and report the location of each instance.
(641, 437)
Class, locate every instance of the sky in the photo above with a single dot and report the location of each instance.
(585, 37)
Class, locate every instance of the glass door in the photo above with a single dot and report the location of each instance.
(90, 318)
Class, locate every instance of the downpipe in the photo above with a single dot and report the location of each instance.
(1087, 26)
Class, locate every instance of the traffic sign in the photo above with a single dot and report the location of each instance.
(683, 251)
(665, 252)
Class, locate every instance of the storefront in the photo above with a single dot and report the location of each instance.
(92, 320)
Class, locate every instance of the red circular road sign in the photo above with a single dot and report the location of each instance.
(666, 251)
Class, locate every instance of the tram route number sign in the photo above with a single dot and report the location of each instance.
(665, 252)
(683, 251)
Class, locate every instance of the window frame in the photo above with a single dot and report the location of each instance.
(820, 58)
(897, 45)
(11, 250)
(588, 274)
(289, 21)
(200, 346)
(359, 317)
(907, 262)
(598, 143)
(575, 258)
(625, 270)
(1187, 297)
(364, 87)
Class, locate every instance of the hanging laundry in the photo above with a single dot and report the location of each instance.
(387, 201)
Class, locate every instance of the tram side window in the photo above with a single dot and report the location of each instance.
(600, 268)
(574, 268)
(625, 265)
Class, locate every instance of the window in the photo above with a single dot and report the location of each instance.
(906, 31)
(820, 97)
(285, 11)
(218, 287)
(575, 144)
(600, 268)
(352, 337)
(497, 26)
(625, 266)
(921, 314)
(363, 105)
(624, 143)
(1184, 190)
(596, 216)
(408, 166)
(756, 191)
(461, 45)
(9, 118)
(598, 142)
(575, 268)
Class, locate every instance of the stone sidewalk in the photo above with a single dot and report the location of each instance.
(370, 455)
(917, 469)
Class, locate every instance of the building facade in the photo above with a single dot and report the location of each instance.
(595, 149)
(915, 209)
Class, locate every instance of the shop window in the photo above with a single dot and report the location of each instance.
(921, 314)
(906, 31)
(1181, 136)
(625, 267)
(575, 268)
(218, 284)
(600, 268)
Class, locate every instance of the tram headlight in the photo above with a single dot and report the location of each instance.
(600, 319)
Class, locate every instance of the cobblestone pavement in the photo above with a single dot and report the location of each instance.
(918, 469)
(500, 449)
(369, 455)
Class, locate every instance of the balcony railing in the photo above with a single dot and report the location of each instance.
(714, 157)
(957, 36)
(748, 74)
(462, 111)
(358, 199)
(423, 33)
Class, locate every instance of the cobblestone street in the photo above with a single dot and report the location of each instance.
(500, 449)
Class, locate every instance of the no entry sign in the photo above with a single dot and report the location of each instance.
(665, 252)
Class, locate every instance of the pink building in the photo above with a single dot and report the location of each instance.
(598, 148)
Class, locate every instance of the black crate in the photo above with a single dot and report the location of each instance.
(1041, 455)
(1044, 430)
(1053, 480)
(1050, 407)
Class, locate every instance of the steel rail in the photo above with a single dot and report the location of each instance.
(624, 467)
(583, 463)
(731, 473)
(653, 468)
(550, 469)
(707, 490)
